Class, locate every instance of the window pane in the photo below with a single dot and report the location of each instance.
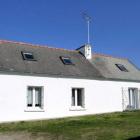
(129, 94)
(28, 56)
(79, 97)
(73, 97)
(133, 98)
(136, 98)
(66, 60)
(30, 97)
(38, 97)
(121, 67)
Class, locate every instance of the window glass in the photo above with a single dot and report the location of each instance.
(121, 67)
(73, 97)
(28, 56)
(38, 97)
(66, 60)
(34, 97)
(77, 97)
(30, 97)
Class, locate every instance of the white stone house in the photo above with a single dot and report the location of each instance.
(40, 82)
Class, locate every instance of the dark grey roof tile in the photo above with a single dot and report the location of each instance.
(106, 65)
(48, 61)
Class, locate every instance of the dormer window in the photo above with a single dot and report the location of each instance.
(121, 67)
(66, 60)
(28, 56)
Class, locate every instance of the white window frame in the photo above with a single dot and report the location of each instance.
(76, 107)
(134, 98)
(35, 108)
(128, 102)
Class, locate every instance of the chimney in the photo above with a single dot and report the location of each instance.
(86, 51)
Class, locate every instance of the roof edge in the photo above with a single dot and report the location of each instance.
(34, 45)
(72, 77)
(99, 54)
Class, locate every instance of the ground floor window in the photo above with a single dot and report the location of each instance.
(35, 97)
(130, 98)
(134, 98)
(77, 97)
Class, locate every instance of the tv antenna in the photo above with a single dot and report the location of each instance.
(87, 18)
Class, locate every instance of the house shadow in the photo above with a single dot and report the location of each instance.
(135, 138)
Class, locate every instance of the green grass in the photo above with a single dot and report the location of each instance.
(113, 126)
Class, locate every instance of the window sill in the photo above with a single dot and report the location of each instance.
(77, 109)
(34, 110)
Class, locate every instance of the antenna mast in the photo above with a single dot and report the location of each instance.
(87, 18)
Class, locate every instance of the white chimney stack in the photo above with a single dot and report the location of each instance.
(86, 51)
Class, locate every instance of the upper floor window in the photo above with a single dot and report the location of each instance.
(121, 67)
(28, 56)
(66, 60)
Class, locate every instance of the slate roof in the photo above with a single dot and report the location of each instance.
(107, 67)
(48, 61)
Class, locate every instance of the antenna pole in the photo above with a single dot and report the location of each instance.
(88, 23)
(87, 18)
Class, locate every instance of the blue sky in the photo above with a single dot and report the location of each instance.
(115, 28)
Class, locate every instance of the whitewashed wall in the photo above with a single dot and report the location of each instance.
(100, 96)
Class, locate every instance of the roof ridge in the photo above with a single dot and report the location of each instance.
(105, 55)
(35, 45)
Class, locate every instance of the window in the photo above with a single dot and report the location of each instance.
(66, 60)
(121, 67)
(35, 98)
(77, 98)
(28, 56)
(130, 98)
(134, 98)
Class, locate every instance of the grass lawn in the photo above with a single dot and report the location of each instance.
(113, 126)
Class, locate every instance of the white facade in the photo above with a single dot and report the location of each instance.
(99, 97)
